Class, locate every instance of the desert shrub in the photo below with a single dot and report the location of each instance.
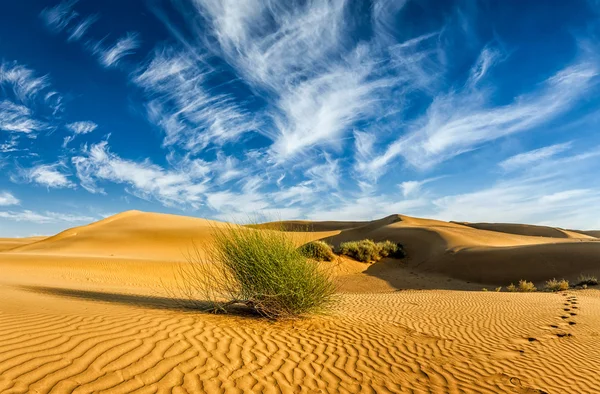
(484, 289)
(317, 250)
(391, 249)
(368, 251)
(557, 285)
(498, 289)
(587, 280)
(523, 286)
(261, 269)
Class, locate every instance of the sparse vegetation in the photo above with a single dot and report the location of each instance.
(261, 269)
(587, 280)
(484, 289)
(367, 250)
(523, 287)
(498, 289)
(557, 285)
(317, 250)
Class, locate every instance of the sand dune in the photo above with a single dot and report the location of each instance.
(11, 243)
(88, 310)
(530, 230)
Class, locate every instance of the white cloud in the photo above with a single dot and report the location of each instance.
(83, 127)
(67, 139)
(522, 160)
(181, 104)
(23, 82)
(318, 85)
(45, 217)
(411, 188)
(7, 198)
(49, 175)
(18, 118)
(126, 45)
(457, 123)
(26, 105)
(325, 175)
(58, 17)
(547, 193)
(180, 187)
(10, 145)
(78, 31)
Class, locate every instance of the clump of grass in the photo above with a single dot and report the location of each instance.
(261, 269)
(498, 289)
(523, 287)
(367, 250)
(557, 285)
(484, 289)
(317, 250)
(587, 280)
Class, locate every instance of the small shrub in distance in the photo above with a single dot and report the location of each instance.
(368, 251)
(588, 280)
(557, 285)
(261, 269)
(317, 250)
(498, 289)
(523, 287)
(526, 287)
(484, 289)
(365, 250)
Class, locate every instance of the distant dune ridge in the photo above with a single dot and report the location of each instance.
(89, 309)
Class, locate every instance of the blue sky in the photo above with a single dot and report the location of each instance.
(340, 109)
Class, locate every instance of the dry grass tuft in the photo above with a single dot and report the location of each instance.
(557, 285)
(317, 250)
(368, 251)
(587, 280)
(261, 269)
(523, 287)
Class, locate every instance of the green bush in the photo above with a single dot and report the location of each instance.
(368, 251)
(523, 287)
(557, 285)
(391, 249)
(261, 269)
(317, 250)
(587, 280)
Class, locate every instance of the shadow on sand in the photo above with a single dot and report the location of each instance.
(143, 301)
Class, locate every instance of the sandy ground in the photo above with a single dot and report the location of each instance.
(87, 311)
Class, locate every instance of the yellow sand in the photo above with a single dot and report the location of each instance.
(87, 311)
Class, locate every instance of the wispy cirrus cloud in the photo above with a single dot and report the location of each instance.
(57, 18)
(456, 123)
(78, 128)
(318, 83)
(80, 29)
(83, 127)
(181, 187)
(527, 158)
(7, 198)
(124, 46)
(180, 102)
(52, 176)
(23, 81)
(44, 217)
(19, 118)
(27, 105)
